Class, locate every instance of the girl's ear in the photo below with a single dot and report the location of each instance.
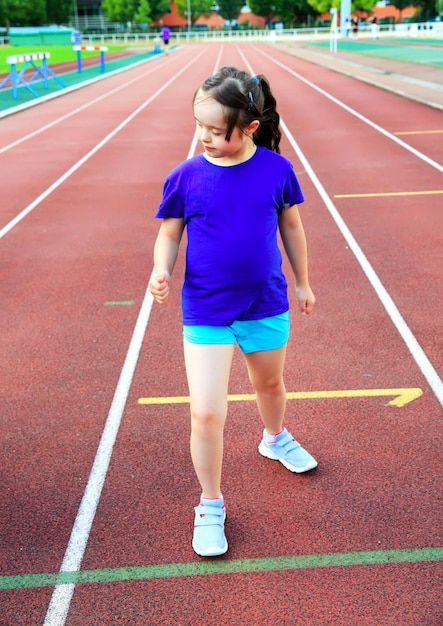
(250, 130)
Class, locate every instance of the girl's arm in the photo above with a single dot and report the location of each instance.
(165, 255)
(294, 242)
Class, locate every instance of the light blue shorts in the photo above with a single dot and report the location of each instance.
(270, 333)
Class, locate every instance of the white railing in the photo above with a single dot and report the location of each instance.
(422, 29)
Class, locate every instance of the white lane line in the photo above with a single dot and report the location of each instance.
(62, 594)
(18, 218)
(83, 107)
(361, 117)
(397, 319)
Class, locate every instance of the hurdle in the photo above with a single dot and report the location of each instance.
(101, 49)
(17, 78)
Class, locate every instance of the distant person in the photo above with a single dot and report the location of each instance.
(355, 27)
(374, 28)
(233, 200)
(348, 26)
(166, 33)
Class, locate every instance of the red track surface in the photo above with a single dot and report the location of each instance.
(89, 242)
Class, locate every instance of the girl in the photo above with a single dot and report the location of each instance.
(232, 199)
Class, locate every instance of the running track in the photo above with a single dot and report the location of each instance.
(97, 481)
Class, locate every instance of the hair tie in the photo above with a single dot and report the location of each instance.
(250, 102)
(257, 80)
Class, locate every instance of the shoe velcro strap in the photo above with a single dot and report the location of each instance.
(288, 442)
(205, 511)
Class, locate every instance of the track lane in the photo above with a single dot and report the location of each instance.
(331, 431)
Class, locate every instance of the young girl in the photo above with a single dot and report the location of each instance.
(232, 199)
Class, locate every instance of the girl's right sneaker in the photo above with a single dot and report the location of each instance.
(209, 528)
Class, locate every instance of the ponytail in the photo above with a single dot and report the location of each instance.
(268, 133)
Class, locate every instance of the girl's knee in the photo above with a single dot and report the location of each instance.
(272, 385)
(208, 420)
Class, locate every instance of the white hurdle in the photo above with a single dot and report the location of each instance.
(29, 59)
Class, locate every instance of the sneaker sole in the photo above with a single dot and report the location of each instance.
(292, 468)
(216, 551)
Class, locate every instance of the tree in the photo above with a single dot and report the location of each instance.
(119, 10)
(59, 11)
(264, 8)
(366, 5)
(230, 9)
(298, 11)
(198, 7)
(400, 5)
(159, 8)
(23, 12)
(427, 9)
(143, 12)
(322, 6)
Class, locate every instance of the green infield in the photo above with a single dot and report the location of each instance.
(424, 51)
(59, 54)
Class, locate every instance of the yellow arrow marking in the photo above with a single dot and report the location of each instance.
(402, 396)
(419, 132)
(389, 193)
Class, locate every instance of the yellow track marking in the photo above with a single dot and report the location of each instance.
(418, 132)
(390, 193)
(402, 396)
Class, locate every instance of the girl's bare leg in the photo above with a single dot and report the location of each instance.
(266, 375)
(208, 368)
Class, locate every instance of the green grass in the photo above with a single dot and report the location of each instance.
(424, 53)
(59, 54)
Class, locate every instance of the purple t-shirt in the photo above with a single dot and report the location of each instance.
(233, 261)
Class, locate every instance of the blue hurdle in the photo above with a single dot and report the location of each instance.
(101, 49)
(17, 77)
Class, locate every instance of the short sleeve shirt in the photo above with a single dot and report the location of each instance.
(233, 261)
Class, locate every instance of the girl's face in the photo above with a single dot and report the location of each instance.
(211, 131)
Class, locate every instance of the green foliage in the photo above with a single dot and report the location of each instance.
(59, 11)
(264, 8)
(22, 12)
(230, 9)
(198, 7)
(428, 9)
(159, 8)
(322, 6)
(365, 5)
(142, 15)
(296, 11)
(119, 10)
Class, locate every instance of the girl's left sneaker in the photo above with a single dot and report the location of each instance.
(288, 451)
(209, 528)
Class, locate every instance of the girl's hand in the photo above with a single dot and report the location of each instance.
(159, 287)
(305, 299)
